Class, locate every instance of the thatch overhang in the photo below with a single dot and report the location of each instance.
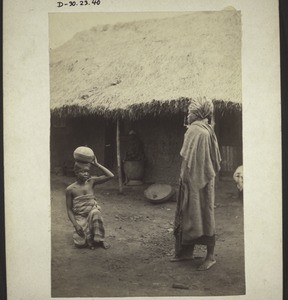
(149, 67)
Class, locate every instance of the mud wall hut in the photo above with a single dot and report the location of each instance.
(143, 74)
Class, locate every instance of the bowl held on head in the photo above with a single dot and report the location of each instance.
(84, 154)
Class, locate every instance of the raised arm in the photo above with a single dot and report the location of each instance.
(103, 178)
(70, 213)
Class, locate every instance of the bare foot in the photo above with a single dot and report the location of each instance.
(91, 245)
(104, 245)
(181, 258)
(207, 264)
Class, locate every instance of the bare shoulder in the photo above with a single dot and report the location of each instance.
(70, 187)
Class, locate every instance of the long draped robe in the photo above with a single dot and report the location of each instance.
(194, 219)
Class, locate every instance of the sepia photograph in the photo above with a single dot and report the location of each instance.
(128, 126)
(146, 154)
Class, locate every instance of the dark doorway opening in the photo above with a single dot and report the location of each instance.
(228, 129)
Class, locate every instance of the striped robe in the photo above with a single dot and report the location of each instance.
(88, 215)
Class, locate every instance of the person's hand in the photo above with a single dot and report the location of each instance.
(79, 230)
(95, 162)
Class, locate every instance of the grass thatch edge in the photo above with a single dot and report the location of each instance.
(138, 111)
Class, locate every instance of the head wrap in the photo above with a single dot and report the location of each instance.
(80, 166)
(200, 108)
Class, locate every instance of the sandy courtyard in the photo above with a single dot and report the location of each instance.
(142, 242)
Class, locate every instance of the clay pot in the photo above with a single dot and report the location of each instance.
(134, 172)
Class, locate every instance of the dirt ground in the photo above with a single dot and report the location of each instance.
(142, 242)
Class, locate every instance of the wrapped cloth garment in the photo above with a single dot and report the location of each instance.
(88, 215)
(194, 219)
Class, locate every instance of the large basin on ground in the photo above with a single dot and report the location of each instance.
(159, 193)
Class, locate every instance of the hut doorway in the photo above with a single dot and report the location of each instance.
(110, 145)
(229, 133)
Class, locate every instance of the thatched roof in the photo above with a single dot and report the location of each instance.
(149, 66)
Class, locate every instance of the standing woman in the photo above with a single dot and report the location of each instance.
(194, 219)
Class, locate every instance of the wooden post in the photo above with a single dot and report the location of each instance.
(119, 157)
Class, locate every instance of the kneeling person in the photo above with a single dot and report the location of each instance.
(82, 208)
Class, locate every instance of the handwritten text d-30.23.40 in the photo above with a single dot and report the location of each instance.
(78, 3)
